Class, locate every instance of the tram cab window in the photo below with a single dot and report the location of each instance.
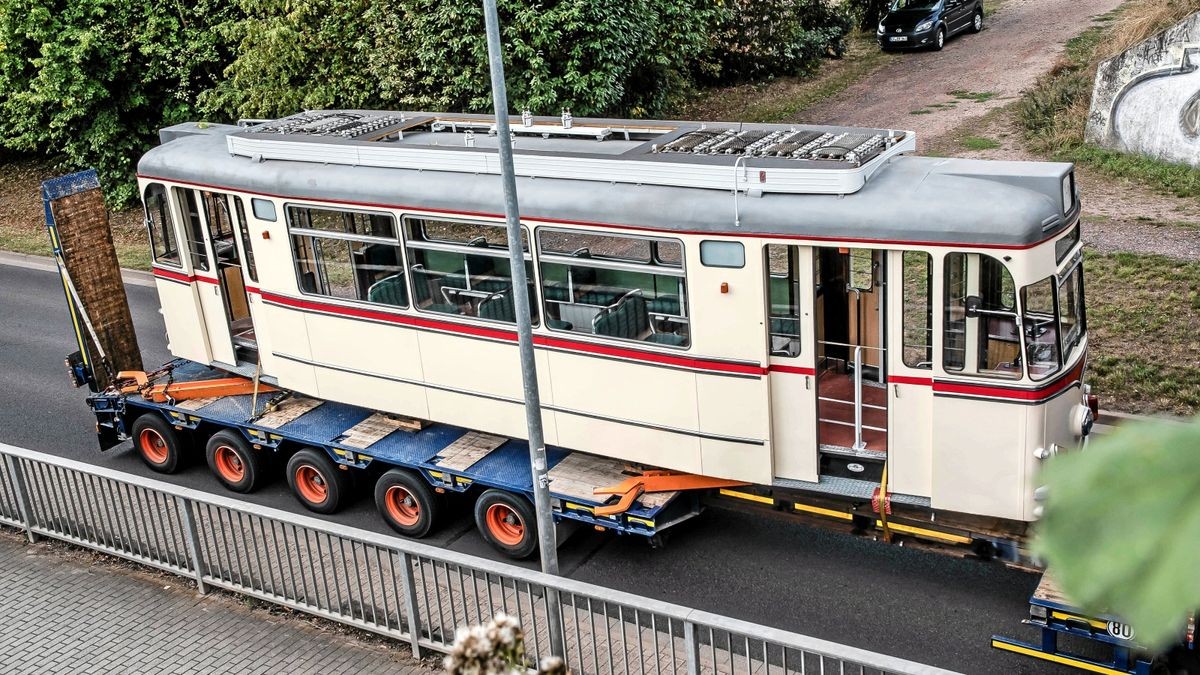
(1041, 331)
(162, 229)
(616, 286)
(360, 261)
(917, 275)
(783, 320)
(216, 210)
(462, 267)
(193, 228)
(980, 335)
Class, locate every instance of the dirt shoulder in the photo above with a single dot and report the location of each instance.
(933, 93)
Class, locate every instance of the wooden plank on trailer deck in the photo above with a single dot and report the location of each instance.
(373, 429)
(579, 474)
(289, 409)
(468, 449)
(196, 403)
(1047, 591)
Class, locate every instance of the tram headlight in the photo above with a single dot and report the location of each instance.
(1082, 420)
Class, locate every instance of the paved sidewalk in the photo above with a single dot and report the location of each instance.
(62, 612)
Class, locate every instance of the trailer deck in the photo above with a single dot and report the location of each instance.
(451, 458)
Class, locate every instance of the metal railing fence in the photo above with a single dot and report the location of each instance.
(391, 586)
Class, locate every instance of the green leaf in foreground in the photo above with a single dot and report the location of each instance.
(1121, 532)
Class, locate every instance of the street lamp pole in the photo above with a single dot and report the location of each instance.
(547, 546)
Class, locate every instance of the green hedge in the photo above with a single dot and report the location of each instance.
(91, 81)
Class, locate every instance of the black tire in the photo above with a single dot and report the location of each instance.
(235, 464)
(407, 503)
(318, 483)
(939, 40)
(507, 522)
(158, 443)
(977, 21)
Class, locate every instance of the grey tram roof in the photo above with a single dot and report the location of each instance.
(902, 198)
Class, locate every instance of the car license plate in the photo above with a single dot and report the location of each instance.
(899, 38)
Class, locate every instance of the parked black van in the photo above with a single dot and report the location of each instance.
(913, 24)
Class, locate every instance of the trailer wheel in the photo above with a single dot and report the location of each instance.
(158, 444)
(316, 481)
(234, 462)
(406, 502)
(507, 522)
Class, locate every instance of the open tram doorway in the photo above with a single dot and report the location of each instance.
(230, 241)
(851, 362)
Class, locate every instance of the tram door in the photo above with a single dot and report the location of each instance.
(232, 324)
(225, 305)
(911, 315)
(852, 401)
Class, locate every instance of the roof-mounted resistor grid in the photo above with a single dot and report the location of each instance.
(794, 158)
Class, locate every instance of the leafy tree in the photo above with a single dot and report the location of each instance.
(762, 38)
(92, 81)
(1121, 532)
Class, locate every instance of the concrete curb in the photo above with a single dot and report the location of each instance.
(47, 264)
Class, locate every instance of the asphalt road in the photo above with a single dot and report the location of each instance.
(750, 565)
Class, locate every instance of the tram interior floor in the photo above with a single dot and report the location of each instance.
(835, 409)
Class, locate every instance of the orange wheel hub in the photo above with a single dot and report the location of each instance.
(229, 464)
(505, 524)
(402, 507)
(153, 446)
(311, 484)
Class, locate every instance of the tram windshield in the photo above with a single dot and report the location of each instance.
(1053, 321)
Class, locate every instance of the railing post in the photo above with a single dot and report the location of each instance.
(692, 645)
(858, 381)
(410, 604)
(23, 504)
(191, 537)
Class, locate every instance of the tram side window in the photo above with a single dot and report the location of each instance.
(244, 230)
(615, 286)
(783, 320)
(193, 228)
(918, 309)
(162, 230)
(1041, 329)
(462, 268)
(980, 334)
(350, 263)
(220, 229)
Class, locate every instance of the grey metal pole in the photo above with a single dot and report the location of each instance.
(547, 546)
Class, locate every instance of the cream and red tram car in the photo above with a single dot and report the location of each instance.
(810, 310)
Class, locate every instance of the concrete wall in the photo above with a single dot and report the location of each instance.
(1147, 99)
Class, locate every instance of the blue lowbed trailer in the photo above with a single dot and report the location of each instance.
(361, 441)
(1102, 643)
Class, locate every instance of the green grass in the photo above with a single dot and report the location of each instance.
(1143, 314)
(980, 143)
(922, 111)
(976, 96)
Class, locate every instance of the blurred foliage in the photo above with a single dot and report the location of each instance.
(1121, 531)
(91, 81)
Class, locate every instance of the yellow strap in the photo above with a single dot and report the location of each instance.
(887, 531)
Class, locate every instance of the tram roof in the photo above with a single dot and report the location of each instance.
(902, 198)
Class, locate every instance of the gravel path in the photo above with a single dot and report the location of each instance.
(1019, 43)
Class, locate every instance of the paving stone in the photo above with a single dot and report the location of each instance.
(60, 614)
